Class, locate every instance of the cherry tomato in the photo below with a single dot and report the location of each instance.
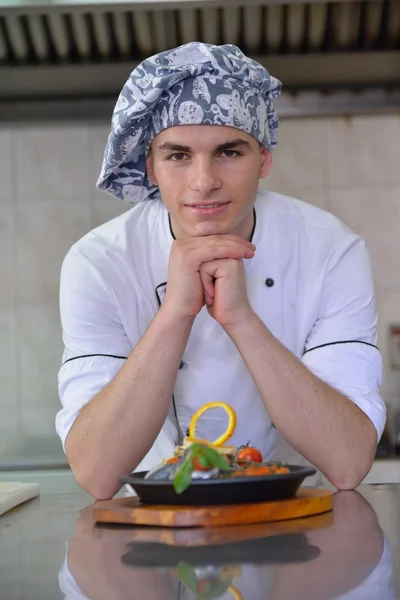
(248, 454)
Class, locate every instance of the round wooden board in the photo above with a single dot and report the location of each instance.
(129, 511)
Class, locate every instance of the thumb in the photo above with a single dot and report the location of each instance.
(207, 280)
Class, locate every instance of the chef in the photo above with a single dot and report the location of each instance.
(208, 289)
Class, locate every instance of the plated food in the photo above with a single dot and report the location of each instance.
(203, 472)
(199, 459)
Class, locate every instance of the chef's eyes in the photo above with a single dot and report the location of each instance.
(178, 157)
(230, 153)
(181, 156)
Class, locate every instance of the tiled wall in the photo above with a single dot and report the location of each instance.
(48, 200)
(351, 167)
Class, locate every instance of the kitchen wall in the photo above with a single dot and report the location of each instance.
(349, 166)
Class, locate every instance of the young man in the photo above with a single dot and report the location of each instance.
(210, 290)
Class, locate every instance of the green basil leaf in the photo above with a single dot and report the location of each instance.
(207, 457)
(215, 459)
(198, 451)
(183, 478)
(187, 575)
(214, 589)
(203, 461)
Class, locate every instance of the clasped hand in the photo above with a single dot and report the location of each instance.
(209, 270)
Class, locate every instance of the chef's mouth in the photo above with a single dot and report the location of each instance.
(207, 204)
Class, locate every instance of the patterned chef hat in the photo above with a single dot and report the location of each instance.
(193, 84)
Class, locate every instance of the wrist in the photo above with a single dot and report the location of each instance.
(172, 317)
(241, 322)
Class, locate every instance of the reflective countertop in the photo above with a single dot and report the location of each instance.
(50, 549)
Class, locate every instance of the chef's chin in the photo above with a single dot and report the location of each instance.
(209, 228)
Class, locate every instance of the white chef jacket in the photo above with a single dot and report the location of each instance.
(310, 282)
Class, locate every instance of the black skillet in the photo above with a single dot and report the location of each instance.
(238, 490)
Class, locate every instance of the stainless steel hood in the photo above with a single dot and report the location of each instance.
(340, 56)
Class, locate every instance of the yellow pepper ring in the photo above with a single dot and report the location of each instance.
(231, 423)
(235, 592)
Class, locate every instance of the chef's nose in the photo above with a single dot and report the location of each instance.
(204, 176)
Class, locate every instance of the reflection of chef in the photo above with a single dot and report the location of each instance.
(379, 584)
(355, 563)
(316, 581)
(92, 569)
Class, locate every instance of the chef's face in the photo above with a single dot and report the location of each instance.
(208, 178)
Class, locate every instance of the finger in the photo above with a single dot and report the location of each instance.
(229, 242)
(207, 283)
(218, 252)
(219, 268)
(225, 239)
(210, 248)
(209, 301)
(234, 240)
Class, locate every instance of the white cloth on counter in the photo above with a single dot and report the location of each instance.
(319, 302)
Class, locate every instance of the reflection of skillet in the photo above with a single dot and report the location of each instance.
(280, 549)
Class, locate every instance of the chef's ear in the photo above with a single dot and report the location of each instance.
(266, 161)
(150, 168)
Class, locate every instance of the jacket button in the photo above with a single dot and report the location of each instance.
(269, 282)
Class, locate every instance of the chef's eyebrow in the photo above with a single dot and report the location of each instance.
(171, 147)
(233, 145)
(238, 143)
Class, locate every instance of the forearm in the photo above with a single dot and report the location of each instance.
(117, 428)
(318, 421)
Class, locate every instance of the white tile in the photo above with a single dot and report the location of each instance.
(39, 355)
(300, 159)
(374, 214)
(45, 231)
(6, 253)
(8, 384)
(51, 161)
(9, 427)
(5, 163)
(101, 211)
(7, 359)
(388, 307)
(102, 196)
(393, 415)
(364, 149)
(38, 422)
(317, 196)
(97, 139)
